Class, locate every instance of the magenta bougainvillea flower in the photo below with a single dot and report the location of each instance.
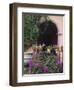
(59, 62)
(45, 69)
(30, 63)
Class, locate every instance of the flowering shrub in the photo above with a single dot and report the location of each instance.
(47, 61)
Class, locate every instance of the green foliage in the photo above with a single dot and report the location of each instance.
(49, 61)
(52, 64)
(36, 70)
(30, 30)
(43, 57)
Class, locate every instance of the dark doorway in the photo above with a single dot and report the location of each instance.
(48, 33)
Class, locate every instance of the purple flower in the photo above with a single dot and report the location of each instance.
(45, 69)
(30, 65)
(59, 62)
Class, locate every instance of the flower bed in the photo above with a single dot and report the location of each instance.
(44, 61)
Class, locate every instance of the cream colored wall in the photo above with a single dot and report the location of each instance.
(59, 22)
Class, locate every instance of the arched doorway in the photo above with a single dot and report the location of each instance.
(48, 33)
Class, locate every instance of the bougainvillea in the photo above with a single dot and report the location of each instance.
(44, 62)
